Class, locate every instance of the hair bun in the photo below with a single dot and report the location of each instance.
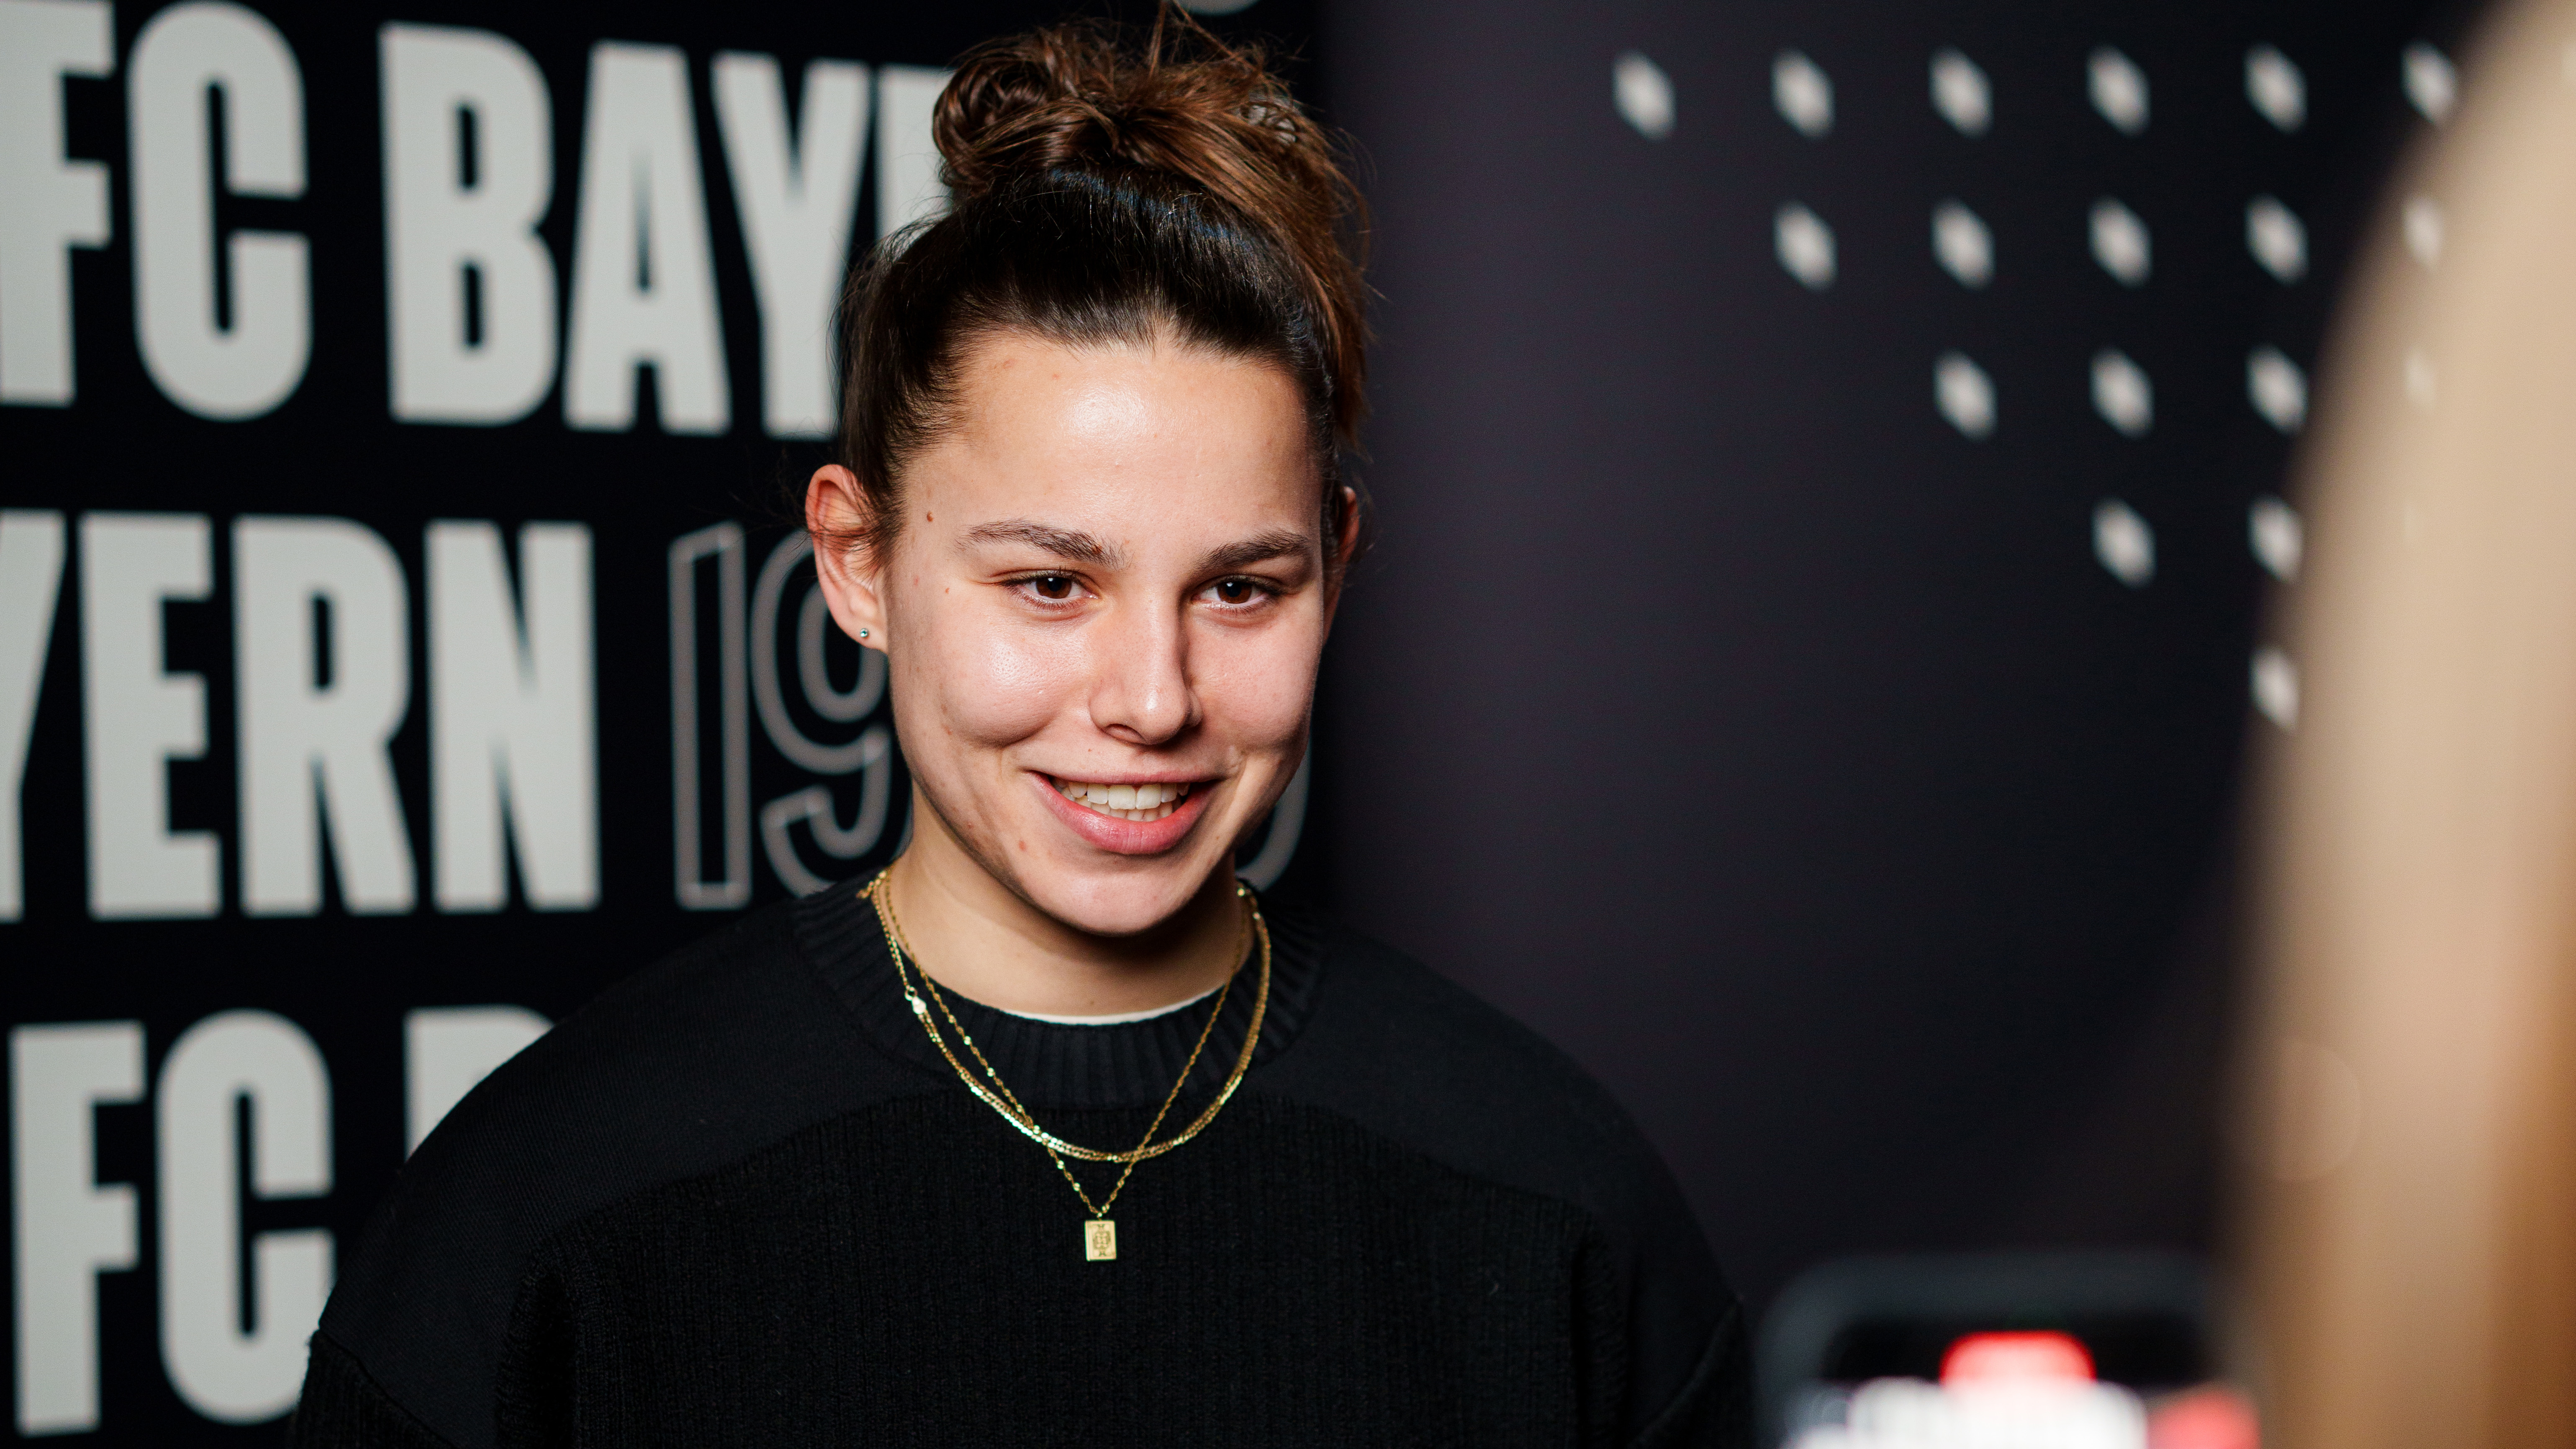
(1111, 186)
(1164, 119)
(1184, 103)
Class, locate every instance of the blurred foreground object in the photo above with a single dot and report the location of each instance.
(2412, 1202)
(2205, 1418)
(2039, 1413)
(2032, 1351)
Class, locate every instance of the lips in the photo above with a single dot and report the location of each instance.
(1133, 828)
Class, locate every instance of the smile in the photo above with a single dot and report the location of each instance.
(1125, 802)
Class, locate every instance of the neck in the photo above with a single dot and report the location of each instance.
(977, 937)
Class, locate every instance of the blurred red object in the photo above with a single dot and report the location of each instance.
(2203, 1418)
(1996, 1357)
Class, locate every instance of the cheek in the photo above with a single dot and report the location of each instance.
(1258, 689)
(987, 683)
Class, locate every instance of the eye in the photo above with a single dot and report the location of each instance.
(1054, 588)
(1237, 591)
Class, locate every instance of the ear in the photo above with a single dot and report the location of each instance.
(1345, 545)
(837, 512)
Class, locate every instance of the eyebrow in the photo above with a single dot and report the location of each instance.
(1071, 545)
(1075, 546)
(1261, 547)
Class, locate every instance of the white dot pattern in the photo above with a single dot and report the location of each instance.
(1978, 249)
(2118, 90)
(2276, 686)
(2422, 225)
(2278, 537)
(1960, 92)
(1643, 95)
(1802, 94)
(2122, 394)
(2431, 84)
(1962, 244)
(2276, 88)
(2124, 543)
(1804, 245)
(1965, 395)
(2277, 238)
(2120, 243)
(2276, 387)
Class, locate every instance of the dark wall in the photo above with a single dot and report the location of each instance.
(1791, 756)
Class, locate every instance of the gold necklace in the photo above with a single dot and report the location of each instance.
(1099, 1233)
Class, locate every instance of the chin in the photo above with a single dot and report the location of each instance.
(1117, 902)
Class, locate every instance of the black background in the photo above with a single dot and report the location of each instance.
(1714, 705)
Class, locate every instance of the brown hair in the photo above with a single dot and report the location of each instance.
(1107, 187)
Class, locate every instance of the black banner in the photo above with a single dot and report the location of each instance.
(400, 637)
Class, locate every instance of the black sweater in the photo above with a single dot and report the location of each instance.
(740, 1199)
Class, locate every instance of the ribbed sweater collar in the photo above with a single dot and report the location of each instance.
(1127, 1065)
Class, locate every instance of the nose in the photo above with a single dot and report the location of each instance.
(1140, 682)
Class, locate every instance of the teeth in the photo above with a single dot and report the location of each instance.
(1151, 801)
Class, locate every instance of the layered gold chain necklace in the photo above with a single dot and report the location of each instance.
(1099, 1233)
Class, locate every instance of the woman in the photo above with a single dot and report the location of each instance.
(1051, 1133)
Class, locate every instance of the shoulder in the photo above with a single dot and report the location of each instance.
(1414, 1057)
(713, 1039)
(723, 1047)
(1412, 1054)
(712, 1050)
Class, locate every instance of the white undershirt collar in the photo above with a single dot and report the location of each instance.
(1115, 1018)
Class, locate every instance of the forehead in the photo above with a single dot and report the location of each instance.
(1161, 433)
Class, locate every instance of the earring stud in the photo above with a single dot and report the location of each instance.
(863, 633)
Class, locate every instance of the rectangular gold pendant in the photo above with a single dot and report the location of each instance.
(1099, 1240)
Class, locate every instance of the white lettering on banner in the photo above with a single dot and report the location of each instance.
(66, 1227)
(511, 714)
(798, 193)
(448, 1049)
(755, 632)
(31, 579)
(139, 718)
(643, 282)
(813, 805)
(244, 365)
(697, 893)
(444, 233)
(306, 747)
(226, 1371)
(908, 187)
(54, 204)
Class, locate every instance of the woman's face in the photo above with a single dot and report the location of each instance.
(1102, 615)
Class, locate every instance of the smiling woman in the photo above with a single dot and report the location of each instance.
(1053, 1132)
(1114, 582)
